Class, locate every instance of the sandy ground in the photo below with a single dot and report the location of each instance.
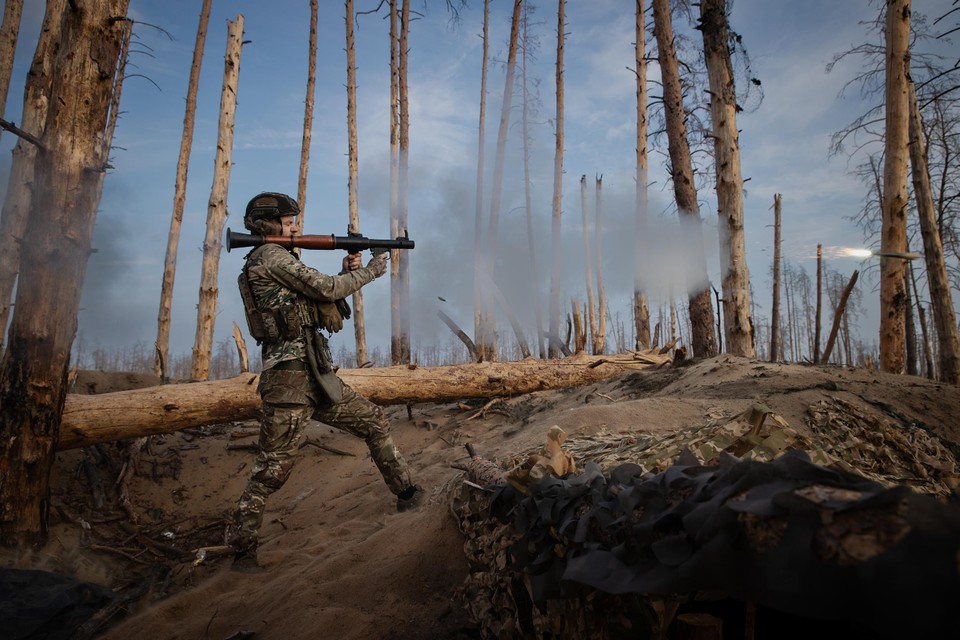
(341, 563)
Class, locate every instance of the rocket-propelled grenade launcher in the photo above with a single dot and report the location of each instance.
(353, 243)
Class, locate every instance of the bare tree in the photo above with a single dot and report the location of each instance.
(819, 312)
(68, 179)
(590, 315)
(17, 202)
(217, 205)
(481, 324)
(557, 190)
(359, 326)
(179, 199)
(641, 306)
(775, 313)
(737, 324)
(893, 237)
(403, 176)
(600, 337)
(396, 351)
(9, 32)
(308, 112)
(527, 183)
(703, 339)
(496, 189)
(940, 294)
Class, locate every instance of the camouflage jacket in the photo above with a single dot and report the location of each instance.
(278, 278)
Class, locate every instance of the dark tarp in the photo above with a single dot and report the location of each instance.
(38, 605)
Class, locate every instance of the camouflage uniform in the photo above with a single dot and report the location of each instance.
(291, 395)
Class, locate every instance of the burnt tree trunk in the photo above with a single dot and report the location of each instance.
(9, 33)
(68, 178)
(16, 203)
(893, 235)
(703, 338)
(941, 298)
(775, 313)
(353, 204)
(163, 409)
(527, 183)
(641, 306)
(480, 322)
(737, 324)
(179, 198)
(554, 312)
(217, 206)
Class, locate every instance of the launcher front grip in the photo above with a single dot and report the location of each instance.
(352, 243)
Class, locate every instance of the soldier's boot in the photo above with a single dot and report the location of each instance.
(245, 561)
(410, 498)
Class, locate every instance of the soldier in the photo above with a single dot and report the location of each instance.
(287, 304)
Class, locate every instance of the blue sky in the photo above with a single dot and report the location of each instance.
(784, 145)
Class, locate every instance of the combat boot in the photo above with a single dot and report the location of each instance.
(410, 498)
(246, 562)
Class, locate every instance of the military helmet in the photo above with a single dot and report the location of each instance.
(265, 210)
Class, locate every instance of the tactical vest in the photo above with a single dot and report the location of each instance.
(288, 321)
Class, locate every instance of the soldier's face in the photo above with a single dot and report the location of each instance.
(288, 225)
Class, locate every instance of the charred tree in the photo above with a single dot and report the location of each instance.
(217, 205)
(775, 313)
(68, 177)
(590, 316)
(893, 235)
(527, 185)
(480, 322)
(403, 185)
(308, 113)
(359, 326)
(17, 202)
(703, 338)
(600, 337)
(737, 323)
(9, 33)
(641, 306)
(940, 295)
(179, 198)
(819, 312)
(396, 351)
(557, 188)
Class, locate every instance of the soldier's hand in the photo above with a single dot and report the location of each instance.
(352, 261)
(378, 264)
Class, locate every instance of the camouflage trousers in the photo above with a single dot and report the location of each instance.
(290, 399)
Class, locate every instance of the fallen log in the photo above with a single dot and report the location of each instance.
(164, 409)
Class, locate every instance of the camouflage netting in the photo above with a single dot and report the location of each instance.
(830, 527)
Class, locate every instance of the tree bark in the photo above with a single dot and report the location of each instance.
(67, 182)
(112, 416)
(703, 338)
(217, 206)
(775, 313)
(591, 318)
(17, 202)
(893, 236)
(737, 323)
(179, 197)
(480, 321)
(527, 183)
(641, 306)
(941, 298)
(600, 337)
(359, 326)
(554, 313)
(395, 255)
(841, 307)
(308, 114)
(403, 175)
(9, 32)
(819, 312)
